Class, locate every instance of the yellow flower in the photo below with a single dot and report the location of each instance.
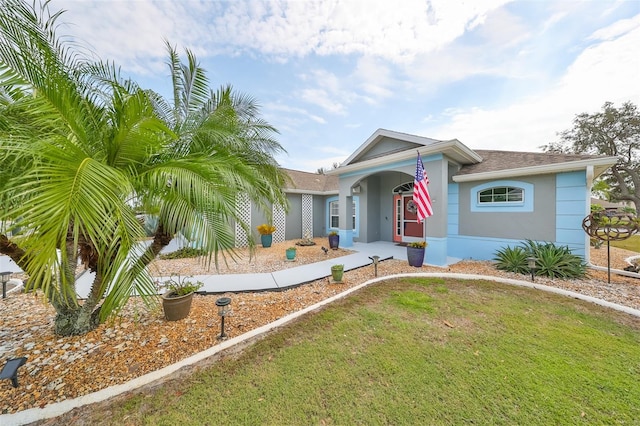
(266, 229)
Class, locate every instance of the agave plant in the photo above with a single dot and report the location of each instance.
(512, 259)
(551, 260)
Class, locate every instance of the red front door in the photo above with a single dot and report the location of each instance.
(405, 219)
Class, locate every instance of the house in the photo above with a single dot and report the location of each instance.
(610, 206)
(483, 200)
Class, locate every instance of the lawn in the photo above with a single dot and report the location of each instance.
(417, 351)
(632, 243)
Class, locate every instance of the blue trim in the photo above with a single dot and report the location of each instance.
(453, 208)
(484, 248)
(477, 248)
(571, 209)
(346, 238)
(516, 207)
(436, 252)
(387, 167)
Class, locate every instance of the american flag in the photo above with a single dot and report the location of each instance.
(421, 192)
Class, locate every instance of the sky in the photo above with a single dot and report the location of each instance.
(494, 74)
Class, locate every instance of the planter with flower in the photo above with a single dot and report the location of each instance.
(334, 240)
(266, 234)
(415, 253)
(176, 301)
(291, 253)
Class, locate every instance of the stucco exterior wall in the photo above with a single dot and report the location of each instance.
(510, 223)
(370, 218)
(293, 228)
(387, 182)
(319, 216)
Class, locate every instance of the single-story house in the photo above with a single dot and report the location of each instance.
(483, 200)
(610, 206)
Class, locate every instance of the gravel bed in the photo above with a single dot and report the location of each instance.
(141, 341)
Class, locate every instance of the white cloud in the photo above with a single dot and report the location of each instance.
(606, 71)
(126, 31)
(374, 78)
(323, 99)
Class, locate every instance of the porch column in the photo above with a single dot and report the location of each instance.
(346, 219)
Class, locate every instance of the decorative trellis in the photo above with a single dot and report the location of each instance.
(279, 220)
(243, 207)
(307, 215)
(610, 227)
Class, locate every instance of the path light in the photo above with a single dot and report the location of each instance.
(224, 309)
(4, 277)
(532, 265)
(375, 260)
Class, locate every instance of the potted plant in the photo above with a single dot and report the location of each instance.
(336, 272)
(334, 240)
(291, 253)
(415, 253)
(265, 230)
(176, 301)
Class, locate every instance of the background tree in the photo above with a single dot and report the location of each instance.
(615, 132)
(323, 170)
(81, 148)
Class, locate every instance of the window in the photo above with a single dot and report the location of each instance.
(334, 215)
(334, 218)
(510, 196)
(501, 194)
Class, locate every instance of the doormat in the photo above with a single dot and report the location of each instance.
(402, 244)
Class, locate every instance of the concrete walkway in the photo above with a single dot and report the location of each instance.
(291, 277)
(286, 278)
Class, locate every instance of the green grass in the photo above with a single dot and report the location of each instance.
(418, 351)
(632, 243)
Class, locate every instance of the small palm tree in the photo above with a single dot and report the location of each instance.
(86, 151)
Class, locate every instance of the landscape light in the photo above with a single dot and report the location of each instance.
(4, 277)
(532, 266)
(224, 309)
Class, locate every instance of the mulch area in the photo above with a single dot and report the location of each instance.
(141, 341)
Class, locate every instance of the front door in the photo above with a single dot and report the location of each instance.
(405, 219)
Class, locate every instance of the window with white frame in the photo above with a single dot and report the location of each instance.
(334, 217)
(501, 194)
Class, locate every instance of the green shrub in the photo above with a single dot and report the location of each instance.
(183, 253)
(551, 261)
(513, 259)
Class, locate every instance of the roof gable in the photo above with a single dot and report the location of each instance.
(385, 142)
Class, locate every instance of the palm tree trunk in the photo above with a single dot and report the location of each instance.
(13, 251)
(73, 318)
(161, 239)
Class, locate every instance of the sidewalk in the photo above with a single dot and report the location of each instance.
(283, 279)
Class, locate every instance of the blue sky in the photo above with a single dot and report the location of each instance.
(495, 74)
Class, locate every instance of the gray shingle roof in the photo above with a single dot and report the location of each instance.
(312, 182)
(493, 161)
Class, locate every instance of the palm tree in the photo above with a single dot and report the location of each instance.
(85, 149)
(223, 148)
